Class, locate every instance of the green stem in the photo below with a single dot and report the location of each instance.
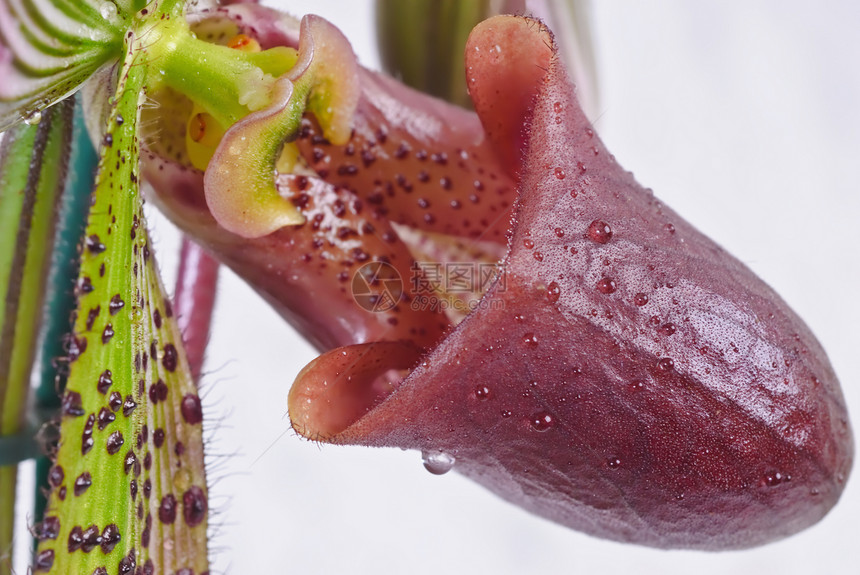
(227, 83)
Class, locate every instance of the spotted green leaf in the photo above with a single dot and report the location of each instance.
(128, 485)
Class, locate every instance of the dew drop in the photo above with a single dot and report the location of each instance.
(482, 392)
(107, 10)
(538, 256)
(528, 243)
(530, 339)
(553, 292)
(542, 421)
(438, 462)
(599, 231)
(606, 286)
(775, 478)
(559, 173)
(613, 463)
(665, 365)
(559, 233)
(669, 228)
(506, 413)
(33, 118)
(666, 329)
(640, 299)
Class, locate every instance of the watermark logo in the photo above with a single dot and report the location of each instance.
(458, 286)
(455, 277)
(377, 287)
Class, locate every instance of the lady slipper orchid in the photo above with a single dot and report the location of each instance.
(491, 289)
(622, 375)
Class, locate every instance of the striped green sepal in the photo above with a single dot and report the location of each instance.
(427, 54)
(48, 48)
(128, 484)
(33, 162)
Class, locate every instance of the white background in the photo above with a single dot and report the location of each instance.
(743, 116)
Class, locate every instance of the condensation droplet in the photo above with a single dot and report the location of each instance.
(665, 365)
(528, 244)
(666, 329)
(599, 231)
(33, 118)
(438, 462)
(530, 339)
(552, 292)
(542, 421)
(613, 463)
(559, 173)
(775, 478)
(482, 392)
(606, 286)
(640, 299)
(108, 10)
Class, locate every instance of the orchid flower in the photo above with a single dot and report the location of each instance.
(611, 369)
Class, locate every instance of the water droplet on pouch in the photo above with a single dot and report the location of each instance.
(482, 392)
(542, 421)
(640, 299)
(553, 292)
(613, 463)
(774, 479)
(665, 365)
(559, 173)
(438, 462)
(666, 329)
(599, 231)
(530, 339)
(606, 286)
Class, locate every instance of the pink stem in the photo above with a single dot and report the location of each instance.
(194, 300)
